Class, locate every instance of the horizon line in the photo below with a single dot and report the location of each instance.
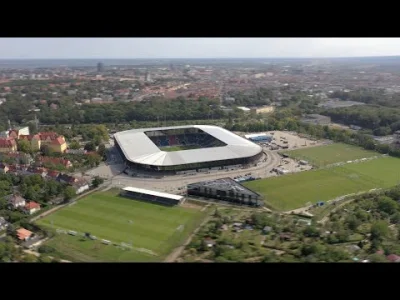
(165, 58)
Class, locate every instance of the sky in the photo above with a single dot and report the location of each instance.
(52, 48)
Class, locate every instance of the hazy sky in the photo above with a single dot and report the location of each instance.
(196, 47)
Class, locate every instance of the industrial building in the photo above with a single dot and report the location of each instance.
(258, 137)
(225, 189)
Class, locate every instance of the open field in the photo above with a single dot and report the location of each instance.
(179, 148)
(330, 154)
(148, 227)
(296, 190)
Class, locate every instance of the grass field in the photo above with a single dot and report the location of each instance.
(330, 154)
(296, 190)
(107, 216)
(179, 148)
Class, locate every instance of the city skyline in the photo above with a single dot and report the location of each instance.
(187, 48)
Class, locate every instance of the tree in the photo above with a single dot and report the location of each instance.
(90, 147)
(29, 258)
(377, 258)
(388, 205)
(74, 145)
(97, 181)
(69, 193)
(46, 150)
(24, 146)
(311, 231)
(101, 150)
(379, 230)
(45, 259)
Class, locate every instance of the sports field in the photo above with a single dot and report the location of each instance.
(330, 154)
(152, 230)
(296, 190)
(179, 148)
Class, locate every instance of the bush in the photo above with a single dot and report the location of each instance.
(46, 249)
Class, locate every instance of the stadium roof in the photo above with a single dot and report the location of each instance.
(153, 193)
(138, 148)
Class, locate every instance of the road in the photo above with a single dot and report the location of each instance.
(172, 184)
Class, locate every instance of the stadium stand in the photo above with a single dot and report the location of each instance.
(151, 196)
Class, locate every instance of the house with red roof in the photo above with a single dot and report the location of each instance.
(55, 161)
(31, 207)
(24, 234)
(8, 145)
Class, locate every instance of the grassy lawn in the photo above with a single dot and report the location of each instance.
(107, 216)
(330, 154)
(179, 148)
(296, 190)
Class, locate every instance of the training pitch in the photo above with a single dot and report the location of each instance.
(296, 190)
(152, 230)
(330, 154)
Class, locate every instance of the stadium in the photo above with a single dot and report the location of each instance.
(183, 148)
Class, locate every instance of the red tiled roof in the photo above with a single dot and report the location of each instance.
(7, 142)
(58, 141)
(53, 174)
(23, 233)
(32, 205)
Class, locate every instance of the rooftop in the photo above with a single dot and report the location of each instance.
(153, 193)
(224, 184)
(150, 154)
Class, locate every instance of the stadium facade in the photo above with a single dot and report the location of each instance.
(180, 148)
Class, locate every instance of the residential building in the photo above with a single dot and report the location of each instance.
(15, 201)
(81, 186)
(65, 178)
(31, 207)
(52, 174)
(8, 145)
(24, 234)
(264, 109)
(55, 161)
(3, 223)
(56, 142)
(243, 108)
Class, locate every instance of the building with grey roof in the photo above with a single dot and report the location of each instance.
(184, 148)
(225, 189)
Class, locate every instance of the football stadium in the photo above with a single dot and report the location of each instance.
(182, 148)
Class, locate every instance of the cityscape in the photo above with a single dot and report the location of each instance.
(208, 160)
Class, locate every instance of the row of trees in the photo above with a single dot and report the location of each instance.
(381, 120)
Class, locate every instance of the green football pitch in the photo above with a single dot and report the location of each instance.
(179, 148)
(296, 190)
(330, 154)
(152, 230)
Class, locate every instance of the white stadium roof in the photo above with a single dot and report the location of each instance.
(138, 148)
(153, 193)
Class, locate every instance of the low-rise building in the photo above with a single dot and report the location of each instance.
(8, 145)
(15, 201)
(24, 234)
(31, 207)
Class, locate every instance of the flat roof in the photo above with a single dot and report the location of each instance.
(138, 148)
(223, 184)
(153, 193)
(248, 136)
